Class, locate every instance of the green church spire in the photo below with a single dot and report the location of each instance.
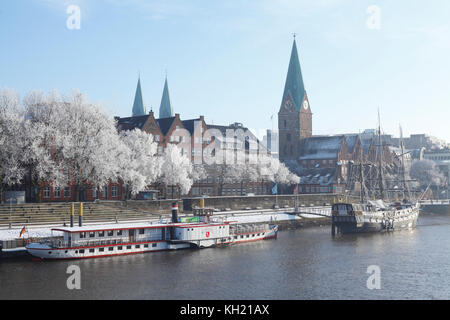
(138, 105)
(165, 109)
(294, 81)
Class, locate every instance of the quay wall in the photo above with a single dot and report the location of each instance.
(261, 202)
(228, 203)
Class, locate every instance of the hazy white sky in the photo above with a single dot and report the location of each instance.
(227, 60)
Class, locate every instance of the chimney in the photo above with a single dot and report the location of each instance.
(174, 212)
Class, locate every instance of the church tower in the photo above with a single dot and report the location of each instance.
(294, 117)
(138, 105)
(165, 109)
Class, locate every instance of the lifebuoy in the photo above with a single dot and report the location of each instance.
(207, 234)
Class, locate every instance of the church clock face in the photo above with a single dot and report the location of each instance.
(288, 104)
(305, 104)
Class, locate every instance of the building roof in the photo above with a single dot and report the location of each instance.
(165, 109)
(131, 123)
(138, 105)
(189, 125)
(320, 176)
(294, 81)
(320, 147)
(351, 140)
(165, 124)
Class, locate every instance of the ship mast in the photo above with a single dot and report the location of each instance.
(380, 159)
(404, 184)
(361, 173)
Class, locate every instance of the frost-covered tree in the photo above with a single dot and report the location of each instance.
(42, 155)
(426, 173)
(176, 170)
(138, 161)
(90, 144)
(12, 142)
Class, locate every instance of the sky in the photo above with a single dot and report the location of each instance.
(228, 60)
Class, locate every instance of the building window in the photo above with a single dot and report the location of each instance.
(47, 192)
(157, 138)
(105, 192)
(94, 193)
(114, 191)
(67, 192)
(57, 192)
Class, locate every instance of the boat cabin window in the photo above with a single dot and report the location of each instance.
(119, 232)
(91, 234)
(110, 233)
(141, 231)
(101, 233)
(82, 235)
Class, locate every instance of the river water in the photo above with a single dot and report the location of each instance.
(301, 264)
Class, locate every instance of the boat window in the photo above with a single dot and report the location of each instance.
(91, 234)
(141, 231)
(154, 244)
(110, 233)
(110, 248)
(119, 232)
(91, 250)
(101, 249)
(128, 247)
(82, 235)
(146, 245)
(81, 250)
(119, 248)
(137, 246)
(101, 233)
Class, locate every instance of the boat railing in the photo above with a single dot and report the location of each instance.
(240, 229)
(91, 243)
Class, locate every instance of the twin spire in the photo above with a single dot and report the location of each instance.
(294, 81)
(165, 109)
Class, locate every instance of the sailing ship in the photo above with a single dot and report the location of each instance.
(375, 212)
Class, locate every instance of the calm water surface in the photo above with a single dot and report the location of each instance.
(300, 264)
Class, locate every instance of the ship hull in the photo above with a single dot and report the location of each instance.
(47, 252)
(370, 224)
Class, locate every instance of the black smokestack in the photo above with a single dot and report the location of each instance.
(174, 212)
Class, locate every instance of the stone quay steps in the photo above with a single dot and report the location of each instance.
(59, 213)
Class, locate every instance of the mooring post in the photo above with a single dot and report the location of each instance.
(333, 231)
(80, 218)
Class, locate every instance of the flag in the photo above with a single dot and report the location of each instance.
(296, 190)
(274, 189)
(22, 232)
